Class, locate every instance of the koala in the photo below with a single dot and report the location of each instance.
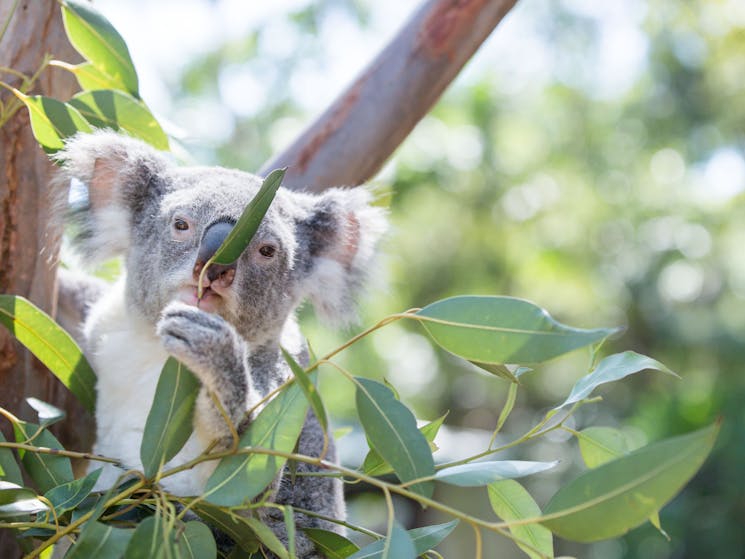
(166, 221)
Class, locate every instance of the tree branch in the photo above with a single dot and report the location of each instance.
(349, 142)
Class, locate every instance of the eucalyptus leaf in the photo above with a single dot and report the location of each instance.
(374, 465)
(241, 477)
(69, 495)
(97, 41)
(51, 345)
(196, 542)
(511, 373)
(18, 501)
(247, 225)
(511, 502)
(391, 429)
(46, 413)
(229, 522)
(10, 470)
(267, 537)
(309, 389)
(149, 540)
(599, 445)
(613, 498)
(119, 111)
(100, 540)
(423, 539)
(478, 474)
(169, 422)
(52, 121)
(331, 544)
(47, 470)
(613, 368)
(497, 330)
(89, 77)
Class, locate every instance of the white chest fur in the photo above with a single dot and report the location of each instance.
(128, 357)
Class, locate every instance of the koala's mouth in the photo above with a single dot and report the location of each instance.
(211, 300)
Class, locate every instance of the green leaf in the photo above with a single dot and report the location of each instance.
(46, 413)
(612, 368)
(196, 542)
(239, 478)
(511, 373)
(331, 544)
(100, 541)
(8, 464)
(119, 111)
(290, 530)
(51, 345)
(69, 495)
(267, 537)
(501, 330)
(98, 42)
(89, 77)
(483, 473)
(52, 121)
(374, 465)
(18, 501)
(149, 541)
(391, 429)
(599, 445)
(47, 470)
(619, 495)
(239, 237)
(229, 522)
(510, 502)
(169, 422)
(309, 389)
(423, 539)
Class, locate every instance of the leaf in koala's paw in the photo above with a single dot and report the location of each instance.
(169, 423)
(247, 225)
(502, 330)
(48, 470)
(51, 345)
(119, 111)
(98, 41)
(52, 121)
(241, 477)
(391, 429)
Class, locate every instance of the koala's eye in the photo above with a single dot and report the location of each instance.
(180, 225)
(268, 251)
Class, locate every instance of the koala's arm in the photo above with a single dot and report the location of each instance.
(76, 294)
(218, 356)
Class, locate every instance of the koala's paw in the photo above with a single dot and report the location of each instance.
(198, 339)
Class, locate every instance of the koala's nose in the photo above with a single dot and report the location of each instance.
(213, 237)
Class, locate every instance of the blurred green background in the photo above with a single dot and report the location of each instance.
(590, 158)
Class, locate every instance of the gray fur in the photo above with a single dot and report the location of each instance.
(324, 247)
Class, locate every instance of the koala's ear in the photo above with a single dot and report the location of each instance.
(337, 238)
(121, 176)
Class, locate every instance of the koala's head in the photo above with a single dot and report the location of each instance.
(168, 220)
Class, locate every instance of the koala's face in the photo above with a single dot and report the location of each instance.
(168, 221)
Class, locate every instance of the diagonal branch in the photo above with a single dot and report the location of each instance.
(349, 142)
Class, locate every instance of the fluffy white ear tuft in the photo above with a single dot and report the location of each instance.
(115, 176)
(339, 234)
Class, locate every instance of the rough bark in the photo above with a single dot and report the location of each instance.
(349, 142)
(29, 235)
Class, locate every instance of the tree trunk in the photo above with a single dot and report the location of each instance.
(350, 141)
(29, 232)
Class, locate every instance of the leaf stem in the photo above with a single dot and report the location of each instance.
(59, 452)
